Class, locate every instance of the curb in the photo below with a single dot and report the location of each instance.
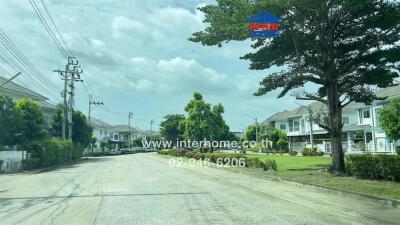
(385, 201)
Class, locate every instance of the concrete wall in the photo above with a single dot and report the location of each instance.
(9, 157)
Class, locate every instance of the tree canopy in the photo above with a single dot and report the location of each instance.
(33, 124)
(81, 130)
(345, 47)
(10, 122)
(172, 127)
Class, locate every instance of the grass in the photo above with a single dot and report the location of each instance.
(313, 170)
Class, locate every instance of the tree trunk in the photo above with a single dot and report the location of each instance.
(335, 125)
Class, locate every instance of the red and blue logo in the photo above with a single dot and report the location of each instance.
(263, 25)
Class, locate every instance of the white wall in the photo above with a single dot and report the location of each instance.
(16, 156)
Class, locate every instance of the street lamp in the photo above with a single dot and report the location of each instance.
(9, 80)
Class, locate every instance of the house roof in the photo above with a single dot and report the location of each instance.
(125, 129)
(14, 88)
(99, 123)
(46, 105)
(389, 92)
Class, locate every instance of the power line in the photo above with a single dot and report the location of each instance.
(25, 61)
(59, 34)
(10, 61)
(48, 29)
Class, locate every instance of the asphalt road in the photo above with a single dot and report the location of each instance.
(143, 189)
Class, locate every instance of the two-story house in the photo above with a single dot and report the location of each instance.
(361, 130)
(101, 130)
(119, 135)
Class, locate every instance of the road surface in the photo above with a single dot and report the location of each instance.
(143, 189)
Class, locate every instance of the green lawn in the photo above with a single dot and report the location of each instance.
(313, 170)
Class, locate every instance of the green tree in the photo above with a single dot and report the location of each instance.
(33, 124)
(172, 127)
(196, 123)
(56, 121)
(10, 122)
(204, 121)
(344, 47)
(389, 117)
(81, 130)
(219, 130)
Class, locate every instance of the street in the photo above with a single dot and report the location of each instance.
(143, 189)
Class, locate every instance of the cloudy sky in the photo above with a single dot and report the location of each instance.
(136, 57)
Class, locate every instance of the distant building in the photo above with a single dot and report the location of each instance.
(117, 135)
(361, 129)
(16, 92)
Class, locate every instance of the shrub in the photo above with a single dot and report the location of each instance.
(385, 167)
(311, 152)
(398, 150)
(270, 164)
(163, 151)
(292, 153)
(50, 152)
(31, 163)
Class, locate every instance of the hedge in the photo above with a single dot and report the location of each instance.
(249, 162)
(311, 152)
(380, 167)
(51, 152)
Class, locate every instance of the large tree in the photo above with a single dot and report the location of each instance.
(10, 122)
(172, 127)
(345, 47)
(205, 121)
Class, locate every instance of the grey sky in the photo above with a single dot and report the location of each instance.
(136, 57)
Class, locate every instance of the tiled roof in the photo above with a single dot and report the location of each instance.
(389, 92)
(12, 87)
(99, 123)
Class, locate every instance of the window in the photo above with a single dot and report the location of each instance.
(116, 137)
(296, 126)
(290, 125)
(345, 120)
(282, 126)
(101, 132)
(366, 114)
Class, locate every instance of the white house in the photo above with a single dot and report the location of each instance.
(101, 130)
(117, 135)
(361, 129)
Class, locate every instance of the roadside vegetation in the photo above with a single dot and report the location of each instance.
(23, 128)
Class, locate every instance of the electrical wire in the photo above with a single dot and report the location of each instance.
(48, 29)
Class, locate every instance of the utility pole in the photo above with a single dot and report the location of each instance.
(256, 123)
(75, 77)
(91, 102)
(64, 76)
(151, 128)
(130, 115)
